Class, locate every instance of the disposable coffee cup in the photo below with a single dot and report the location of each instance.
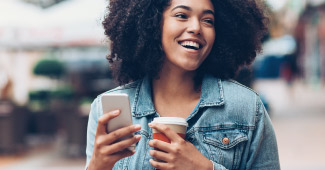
(177, 124)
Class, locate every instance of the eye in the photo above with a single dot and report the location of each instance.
(181, 15)
(209, 21)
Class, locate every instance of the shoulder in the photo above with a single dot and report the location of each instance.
(240, 97)
(129, 89)
(125, 88)
(231, 86)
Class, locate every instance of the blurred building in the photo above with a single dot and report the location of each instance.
(53, 33)
(64, 32)
(310, 35)
(295, 48)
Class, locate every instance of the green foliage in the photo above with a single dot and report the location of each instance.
(38, 100)
(64, 93)
(49, 67)
(86, 100)
(42, 95)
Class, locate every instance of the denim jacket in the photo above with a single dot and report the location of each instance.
(229, 126)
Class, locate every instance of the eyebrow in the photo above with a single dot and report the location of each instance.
(207, 11)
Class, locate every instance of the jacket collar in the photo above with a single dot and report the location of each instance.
(143, 99)
(211, 92)
(211, 95)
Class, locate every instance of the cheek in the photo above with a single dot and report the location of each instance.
(170, 31)
(211, 40)
(166, 36)
(212, 37)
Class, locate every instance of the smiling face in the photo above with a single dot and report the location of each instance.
(187, 33)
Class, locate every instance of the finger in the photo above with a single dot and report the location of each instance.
(120, 155)
(160, 165)
(104, 119)
(122, 132)
(161, 155)
(119, 146)
(161, 145)
(169, 133)
(115, 135)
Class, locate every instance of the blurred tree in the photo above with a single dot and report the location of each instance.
(49, 67)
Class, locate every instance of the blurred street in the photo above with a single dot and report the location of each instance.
(48, 155)
(297, 112)
(298, 115)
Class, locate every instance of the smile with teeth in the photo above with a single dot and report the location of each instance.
(190, 44)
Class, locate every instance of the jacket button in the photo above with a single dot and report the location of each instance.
(225, 140)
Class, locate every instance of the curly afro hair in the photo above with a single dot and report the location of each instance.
(134, 29)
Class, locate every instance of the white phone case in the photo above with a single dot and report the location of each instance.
(118, 101)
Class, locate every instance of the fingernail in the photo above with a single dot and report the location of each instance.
(137, 126)
(150, 143)
(116, 112)
(150, 124)
(137, 137)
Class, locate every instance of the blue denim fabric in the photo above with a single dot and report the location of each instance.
(226, 109)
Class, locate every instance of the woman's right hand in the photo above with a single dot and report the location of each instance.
(106, 152)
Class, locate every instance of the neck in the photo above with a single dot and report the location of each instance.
(173, 83)
(174, 93)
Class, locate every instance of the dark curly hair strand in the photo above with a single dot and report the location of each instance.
(134, 28)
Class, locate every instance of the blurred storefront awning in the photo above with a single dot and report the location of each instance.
(70, 23)
(277, 5)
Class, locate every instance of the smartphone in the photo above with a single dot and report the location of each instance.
(118, 101)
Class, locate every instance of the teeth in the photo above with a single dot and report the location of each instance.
(190, 43)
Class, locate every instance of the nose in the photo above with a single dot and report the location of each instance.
(194, 27)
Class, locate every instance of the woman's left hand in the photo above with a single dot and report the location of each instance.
(179, 154)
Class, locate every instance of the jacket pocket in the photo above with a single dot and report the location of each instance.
(226, 146)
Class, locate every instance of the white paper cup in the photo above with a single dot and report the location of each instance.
(177, 124)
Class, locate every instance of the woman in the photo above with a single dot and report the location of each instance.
(176, 58)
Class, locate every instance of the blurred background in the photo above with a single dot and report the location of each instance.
(52, 65)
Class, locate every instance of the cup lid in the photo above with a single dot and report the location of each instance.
(170, 120)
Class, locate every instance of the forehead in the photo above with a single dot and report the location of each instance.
(196, 4)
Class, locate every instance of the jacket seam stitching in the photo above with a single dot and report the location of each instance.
(236, 82)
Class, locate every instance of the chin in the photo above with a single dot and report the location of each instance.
(191, 68)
